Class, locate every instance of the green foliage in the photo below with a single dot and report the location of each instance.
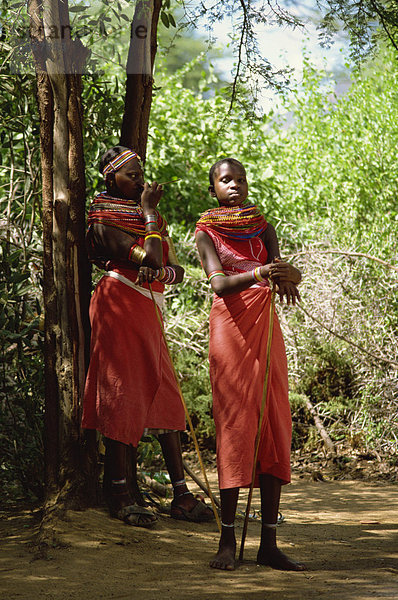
(21, 380)
(192, 369)
(21, 362)
(324, 172)
(336, 162)
(325, 175)
(329, 376)
(367, 23)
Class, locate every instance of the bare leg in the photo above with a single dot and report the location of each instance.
(225, 557)
(115, 469)
(269, 554)
(171, 448)
(115, 484)
(132, 477)
(183, 499)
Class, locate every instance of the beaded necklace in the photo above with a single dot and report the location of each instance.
(122, 214)
(235, 222)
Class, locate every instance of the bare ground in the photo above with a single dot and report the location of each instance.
(345, 531)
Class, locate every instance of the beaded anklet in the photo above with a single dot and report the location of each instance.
(179, 482)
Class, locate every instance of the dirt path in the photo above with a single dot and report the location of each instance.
(346, 532)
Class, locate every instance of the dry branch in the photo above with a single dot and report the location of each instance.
(321, 428)
(345, 339)
(347, 253)
(157, 487)
(199, 482)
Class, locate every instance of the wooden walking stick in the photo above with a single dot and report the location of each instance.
(260, 420)
(195, 441)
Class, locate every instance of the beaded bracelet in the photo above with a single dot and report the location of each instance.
(173, 275)
(153, 234)
(159, 274)
(257, 275)
(214, 274)
(166, 275)
(137, 254)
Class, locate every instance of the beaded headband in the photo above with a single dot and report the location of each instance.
(118, 162)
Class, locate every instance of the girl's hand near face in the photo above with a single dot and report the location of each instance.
(151, 195)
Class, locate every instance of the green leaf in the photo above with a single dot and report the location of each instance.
(165, 19)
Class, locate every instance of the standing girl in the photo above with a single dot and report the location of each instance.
(130, 383)
(240, 254)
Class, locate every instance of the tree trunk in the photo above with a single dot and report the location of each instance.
(70, 468)
(139, 82)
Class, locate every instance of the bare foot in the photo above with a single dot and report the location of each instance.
(225, 557)
(276, 559)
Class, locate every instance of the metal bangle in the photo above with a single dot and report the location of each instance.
(152, 218)
(137, 254)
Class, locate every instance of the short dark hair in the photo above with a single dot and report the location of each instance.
(230, 161)
(111, 154)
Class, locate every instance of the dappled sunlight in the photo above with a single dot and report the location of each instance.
(346, 533)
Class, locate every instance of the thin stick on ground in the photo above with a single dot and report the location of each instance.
(187, 415)
(199, 483)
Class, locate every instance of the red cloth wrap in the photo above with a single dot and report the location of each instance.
(237, 352)
(130, 382)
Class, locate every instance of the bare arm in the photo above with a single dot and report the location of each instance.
(150, 198)
(147, 274)
(284, 271)
(223, 286)
(285, 276)
(280, 272)
(110, 243)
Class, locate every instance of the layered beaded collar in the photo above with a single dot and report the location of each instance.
(122, 214)
(235, 222)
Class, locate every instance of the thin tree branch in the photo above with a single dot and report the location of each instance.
(241, 44)
(359, 254)
(383, 23)
(350, 342)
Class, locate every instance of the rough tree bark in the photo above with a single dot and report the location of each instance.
(70, 458)
(139, 82)
(70, 468)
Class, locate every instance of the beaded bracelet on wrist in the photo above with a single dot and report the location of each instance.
(166, 275)
(256, 274)
(215, 274)
(153, 234)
